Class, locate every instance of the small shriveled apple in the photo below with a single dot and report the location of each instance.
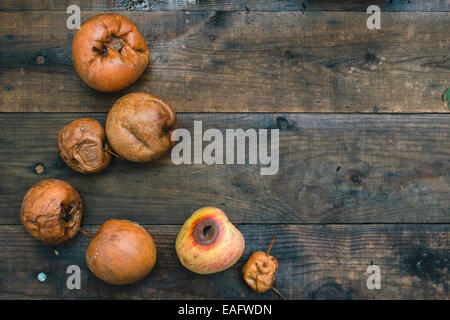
(260, 269)
(51, 211)
(83, 146)
(208, 242)
(122, 252)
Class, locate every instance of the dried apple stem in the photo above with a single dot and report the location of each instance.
(114, 154)
(278, 293)
(86, 233)
(271, 244)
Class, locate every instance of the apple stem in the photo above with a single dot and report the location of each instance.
(278, 293)
(271, 244)
(86, 233)
(114, 154)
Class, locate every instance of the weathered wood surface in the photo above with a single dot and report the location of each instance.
(315, 262)
(333, 169)
(227, 5)
(352, 189)
(242, 62)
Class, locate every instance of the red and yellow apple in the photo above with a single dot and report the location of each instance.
(208, 242)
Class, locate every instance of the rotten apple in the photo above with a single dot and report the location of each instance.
(139, 127)
(83, 146)
(109, 52)
(51, 211)
(122, 252)
(260, 270)
(208, 242)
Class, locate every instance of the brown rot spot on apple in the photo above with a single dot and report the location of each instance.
(101, 51)
(68, 212)
(115, 43)
(206, 231)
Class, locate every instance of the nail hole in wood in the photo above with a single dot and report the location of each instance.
(39, 168)
(40, 60)
(282, 123)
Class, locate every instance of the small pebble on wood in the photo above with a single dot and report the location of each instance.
(42, 277)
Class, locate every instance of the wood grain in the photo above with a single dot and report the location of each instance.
(241, 62)
(333, 169)
(315, 262)
(352, 189)
(230, 5)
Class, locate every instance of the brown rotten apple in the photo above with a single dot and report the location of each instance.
(121, 253)
(83, 147)
(208, 242)
(260, 269)
(51, 211)
(139, 127)
(109, 53)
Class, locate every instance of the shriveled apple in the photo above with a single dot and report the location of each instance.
(83, 146)
(109, 52)
(260, 269)
(139, 127)
(51, 211)
(208, 242)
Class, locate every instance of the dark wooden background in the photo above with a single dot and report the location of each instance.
(364, 144)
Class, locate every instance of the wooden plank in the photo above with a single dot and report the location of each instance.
(242, 62)
(315, 262)
(333, 169)
(230, 5)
